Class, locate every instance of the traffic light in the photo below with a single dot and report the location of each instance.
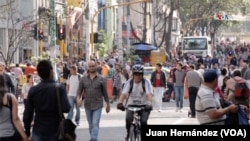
(40, 34)
(61, 33)
(96, 37)
(35, 32)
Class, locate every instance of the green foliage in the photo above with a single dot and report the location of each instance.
(199, 10)
(102, 46)
(129, 54)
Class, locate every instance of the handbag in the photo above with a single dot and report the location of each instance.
(66, 129)
(16, 136)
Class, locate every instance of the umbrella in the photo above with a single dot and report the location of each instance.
(144, 47)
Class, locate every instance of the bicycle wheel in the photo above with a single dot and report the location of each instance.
(137, 133)
(132, 133)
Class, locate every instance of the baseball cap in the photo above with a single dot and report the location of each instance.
(210, 75)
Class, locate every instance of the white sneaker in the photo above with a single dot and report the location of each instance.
(181, 110)
(177, 109)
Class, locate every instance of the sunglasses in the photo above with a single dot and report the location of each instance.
(137, 73)
(91, 66)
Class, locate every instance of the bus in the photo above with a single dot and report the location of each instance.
(200, 46)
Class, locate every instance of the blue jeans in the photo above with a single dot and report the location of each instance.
(72, 102)
(93, 117)
(170, 90)
(179, 93)
(39, 137)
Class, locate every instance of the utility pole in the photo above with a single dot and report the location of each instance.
(52, 25)
(153, 22)
(119, 35)
(40, 40)
(61, 42)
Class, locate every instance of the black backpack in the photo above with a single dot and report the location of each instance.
(79, 76)
(131, 88)
(132, 83)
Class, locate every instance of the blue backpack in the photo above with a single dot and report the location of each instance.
(239, 118)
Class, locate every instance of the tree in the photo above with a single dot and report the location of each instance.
(197, 16)
(174, 4)
(145, 13)
(102, 45)
(17, 30)
(162, 12)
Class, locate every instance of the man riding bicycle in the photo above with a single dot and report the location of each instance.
(136, 91)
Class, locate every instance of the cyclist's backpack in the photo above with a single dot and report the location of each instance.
(131, 88)
(241, 90)
(132, 83)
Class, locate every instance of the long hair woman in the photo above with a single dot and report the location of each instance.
(9, 119)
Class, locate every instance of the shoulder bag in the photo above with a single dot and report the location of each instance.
(66, 129)
(16, 136)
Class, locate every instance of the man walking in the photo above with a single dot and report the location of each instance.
(179, 77)
(42, 101)
(94, 87)
(193, 80)
(71, 87)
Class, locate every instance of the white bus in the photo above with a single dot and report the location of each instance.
(200, 46)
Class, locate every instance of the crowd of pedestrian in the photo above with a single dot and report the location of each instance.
(210, 83)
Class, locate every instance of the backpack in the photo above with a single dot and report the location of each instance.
(239, 118)
(131, 88)
(132, 83)
(79, 76)
(241, 90)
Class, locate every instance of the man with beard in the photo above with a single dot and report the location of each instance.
(94, 87)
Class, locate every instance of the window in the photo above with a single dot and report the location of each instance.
(195, 43)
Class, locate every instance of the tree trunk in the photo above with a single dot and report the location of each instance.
(212, 36)
(168, 36)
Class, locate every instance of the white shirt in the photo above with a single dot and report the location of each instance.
(207, 100)
(73, 83)
(137, 96)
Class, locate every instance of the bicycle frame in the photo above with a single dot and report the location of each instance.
(135, 128)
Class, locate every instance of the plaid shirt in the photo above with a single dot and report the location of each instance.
(95, 90)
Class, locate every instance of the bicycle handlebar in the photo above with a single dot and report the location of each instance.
(135, 107)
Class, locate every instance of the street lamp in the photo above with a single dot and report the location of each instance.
(105, 7)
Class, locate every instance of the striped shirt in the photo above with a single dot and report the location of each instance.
(207, 100)
(194, 79)
(95, 91)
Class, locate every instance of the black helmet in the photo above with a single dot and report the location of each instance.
(137, 68)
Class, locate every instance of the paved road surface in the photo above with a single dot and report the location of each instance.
(112, 125)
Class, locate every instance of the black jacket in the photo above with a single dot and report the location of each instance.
(42, 101)
(163, 79)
